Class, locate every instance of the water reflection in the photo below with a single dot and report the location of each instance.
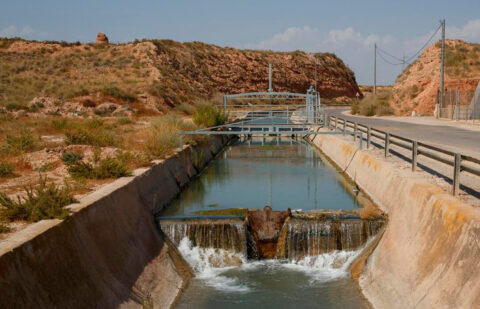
(280, 172)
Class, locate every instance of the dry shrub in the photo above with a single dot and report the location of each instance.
(94, 132)
(6, 169)
(42, 202)
(208, 116)
(163, 136)
(370, 211)
(109, 167)
(374, 105)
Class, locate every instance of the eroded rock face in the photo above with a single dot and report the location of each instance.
(101, 38)
(166, 74)
(415, 90)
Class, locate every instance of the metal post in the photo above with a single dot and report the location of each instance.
(456, 174)
(181, 141)
(355, 132)
(442, 62)
(414, 155)
(270, 89)
(368, 137)
(387, 144)
(335, 118)
(361, 140)
(344, 126)
(375, 69)
(287, 116)
(224, 106)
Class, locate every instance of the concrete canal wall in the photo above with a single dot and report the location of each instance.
(429, 254)
(108, 253)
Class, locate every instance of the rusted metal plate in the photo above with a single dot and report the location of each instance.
(265, 227)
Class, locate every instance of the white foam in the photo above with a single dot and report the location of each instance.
(209, 264)
(324, 267)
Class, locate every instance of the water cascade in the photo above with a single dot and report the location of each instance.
(226, 234)
(313, 237)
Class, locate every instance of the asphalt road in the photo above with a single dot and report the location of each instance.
(452, 138)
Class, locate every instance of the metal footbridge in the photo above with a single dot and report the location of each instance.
(279, 116)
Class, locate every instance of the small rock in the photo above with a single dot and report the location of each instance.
(105, 108)
(123, 111)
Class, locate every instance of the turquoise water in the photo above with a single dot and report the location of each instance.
(251, 174)
(281, 173)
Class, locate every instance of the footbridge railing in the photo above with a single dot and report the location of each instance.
(458, 161)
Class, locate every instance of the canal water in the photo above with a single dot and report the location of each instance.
(251, 174)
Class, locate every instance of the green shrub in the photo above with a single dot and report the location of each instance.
(60, 124)
(208, 116)
(42, 202)
(374, 105)
(85, 135)
(107, 168)
(15, 107)
(25, 141)
(3, 228)
(70, 158)
(81, 169)
(6, 169)
(119, 94)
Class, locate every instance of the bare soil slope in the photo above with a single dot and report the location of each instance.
(157, 74)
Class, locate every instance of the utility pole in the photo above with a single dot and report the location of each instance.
(315, 72)
(270, 89)
(375, 69)
(442, 63)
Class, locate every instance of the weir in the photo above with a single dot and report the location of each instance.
(267, 234)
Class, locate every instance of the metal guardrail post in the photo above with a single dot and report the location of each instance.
(387, 144)
(361, 140)
(456, 174)
(336, 120)
(344, 126)
(414, 155)
(369, 136)
(355, 132)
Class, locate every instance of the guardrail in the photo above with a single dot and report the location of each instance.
(458, 161)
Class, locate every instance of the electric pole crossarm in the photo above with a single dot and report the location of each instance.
(375, 69)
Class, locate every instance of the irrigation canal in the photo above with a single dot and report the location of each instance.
(309, 268)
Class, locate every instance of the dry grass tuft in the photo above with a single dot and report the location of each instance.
(374, 105)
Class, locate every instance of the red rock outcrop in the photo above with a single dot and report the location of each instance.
(101, 38)
(416, 88)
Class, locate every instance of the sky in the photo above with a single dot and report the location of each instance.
(347, 28)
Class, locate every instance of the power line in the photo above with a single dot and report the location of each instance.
(388, 54)
(407, 60)
(387, 61)
(424, 45)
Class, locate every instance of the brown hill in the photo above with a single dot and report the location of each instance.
(416, 88)
(157, 73)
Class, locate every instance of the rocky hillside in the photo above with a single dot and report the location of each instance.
(416, 88)
(155, 75)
